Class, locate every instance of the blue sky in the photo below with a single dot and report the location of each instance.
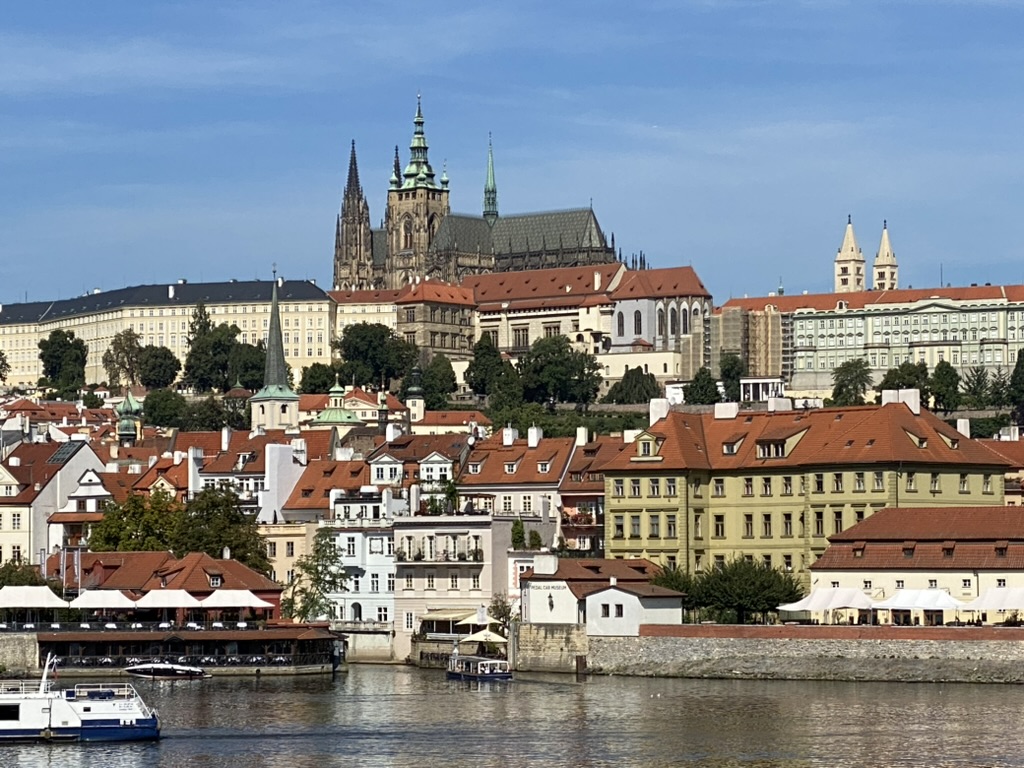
(145, 142)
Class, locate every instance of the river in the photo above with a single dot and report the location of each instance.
(398, 716)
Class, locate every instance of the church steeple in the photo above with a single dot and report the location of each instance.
(886, 272)
(352, 186)
(352, 243)
(849, 264)
(418, 172)
(396, 174)
(490, 187)
(276, 405)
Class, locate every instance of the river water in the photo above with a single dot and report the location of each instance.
(398, 716)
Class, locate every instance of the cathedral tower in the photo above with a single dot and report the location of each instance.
(416, 205)
(886, 271)
(849, 266)
(353, 244)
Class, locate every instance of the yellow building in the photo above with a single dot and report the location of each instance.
(700, 489)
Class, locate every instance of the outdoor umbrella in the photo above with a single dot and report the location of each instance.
(474, 621)
(30, 597)
(234, 598)
(484, 636)
(167, 598)
(830, 599)
(108, 599)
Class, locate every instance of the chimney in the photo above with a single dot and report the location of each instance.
(152, 460)
(597, 280)
(170, 291)
(545, 563)
(225, 438)
(612, 581)
(15, 461)
(963, 426)
(581, 436)
(533, 436)
(225, 553)
(508, 435)
(114, 450)
(299, 451)
(392, 432)
(658, 410)
(727, 410)
(178, 456)
(912, 399)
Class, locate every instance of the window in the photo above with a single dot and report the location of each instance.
(654, 526)
(272, 549)
(787, 563)
(837, 482)
(766, 525)
(391, 582)
(453, 580)
(645, 447)
(1000, 582)
(634, 526)
(748, 526)
(719, 487)
(618, 610)
(698, 521)
(408, 621)
(620, 324)
(986, 484)
(605, 610)
(527, 504)
(819, 523)
(506, 503)
(510, 468)
(766, 486)
(748, 486)
(933, 583)
(382, 613)
(638, 323)
(430, 581)
(634, 488)
(965, 583)
(408, 581)
(374, 582)
(867, 584)
(619, 529)
(655, 488)
(879, 481)
(475, 582)
(355, 583)
(911, 481)
(899, 583)
(15, 521)
(787, 524)
(719, 526)
(935, 483)
(350, 546)
(670, 487)
(787, 486)
(617, 488)
(819, 483)
(964, 485)
(835, 585)
(670, 526)
(858, 481)
(543, 467)
(520, 338)
(289, 549)
(837, 521)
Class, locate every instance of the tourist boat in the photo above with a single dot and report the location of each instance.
(477, 668)
(88, 712)
(165, 670)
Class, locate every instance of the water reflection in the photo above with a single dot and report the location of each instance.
(391, 717)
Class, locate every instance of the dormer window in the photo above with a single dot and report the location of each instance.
(773, 449)
(543, 467)
(922, 442)
(474, 468)
(216, 580)
(645, 447)
(510, 468)
(729, 449)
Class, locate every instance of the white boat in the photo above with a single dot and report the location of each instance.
(165, 670)
(88, 712)
(476, 667)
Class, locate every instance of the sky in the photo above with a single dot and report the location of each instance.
(148, 142)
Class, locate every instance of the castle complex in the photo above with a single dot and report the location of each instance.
(421, 238)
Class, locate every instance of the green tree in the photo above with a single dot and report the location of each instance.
(553, 370)
(999, 388)
(209, 351)
(534, 540)
(485, 366)
(506, 391)
(501, 609)
(214, 520)
(732, 368)
(907, 376)
(122, 357)
(703, 390)
(635, 386)
(91, 400)
(246, 365)
(850, 382)
(164, 408)
(158, 367)
(64, 357)
(203, 415)
(746, 587)
(19, 573)
(438, 383)
(673, 577)
(518, 535)
(1015, 392)
(138, 524)
(975, 387)
(5, 367)
(317, 379)
(318, 574)
(945, 387)
(372, 353)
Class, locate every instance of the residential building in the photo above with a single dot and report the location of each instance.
(582, 493)
(961, 550)
(437, 319)
(452, 422)
(700, 489)
(160, 315)
(377, 307)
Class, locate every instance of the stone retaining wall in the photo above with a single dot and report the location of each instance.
(19, 652)
(548, 647)
(924, 654)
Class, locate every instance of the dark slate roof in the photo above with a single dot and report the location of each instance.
(550, 231)
(185, 295)
(379, 247)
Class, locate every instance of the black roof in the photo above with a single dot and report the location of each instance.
(182, 294)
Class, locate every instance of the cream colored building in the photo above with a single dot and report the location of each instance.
(160, 315)
(369, 306)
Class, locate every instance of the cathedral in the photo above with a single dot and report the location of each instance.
(421, 238)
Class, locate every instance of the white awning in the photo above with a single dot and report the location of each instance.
(919, 600)
(449, 614)
(234, 598)
(167, 598)
(998, 599)
(30, 597)
(829, 599)
(113, 599)
(484, 636)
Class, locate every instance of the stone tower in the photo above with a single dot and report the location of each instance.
(885, 272)
(276, 406)
(849, 264)
(416, 205)
(353, 244)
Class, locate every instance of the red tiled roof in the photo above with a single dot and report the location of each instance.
(312, 491)
(862, 299)
(364, 397)
(920, 524)
(587, 464)
(192, 573)
(493, 457)
(313, 402)
(571, 569)
(433, 292)
(1011, 450)
(671, 282)
(452, 418)
(573, 284)
(415, 448)
(118, 484)
(34, 470)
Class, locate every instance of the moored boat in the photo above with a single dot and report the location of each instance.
(477, 668)
(164, 670)
(88, 712)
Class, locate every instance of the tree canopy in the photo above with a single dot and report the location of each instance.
(138, 524)
(945, 387)
(246, 364)
(745, 587)
(975, 387)
(439, 383)
(214, 520)
(907, 376)
(373, 353)
(485, 367)
(553, 370)
(317, 379)
(1015, 389)
(850, 382)
(506, 390)
(635, 386)
(64, 358)
(5, 367)
(318, 574)
(703, 389)
(209, 351)
(164, 408)
(158, 367)
(732, 368)
(121, 360)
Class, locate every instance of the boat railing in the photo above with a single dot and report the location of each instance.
(117, 691)
(21, 687)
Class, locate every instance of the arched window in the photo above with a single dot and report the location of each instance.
(407, 233)
(620, 325)
(661, 322)
(673, 322)
(686, 321)
(638, 323)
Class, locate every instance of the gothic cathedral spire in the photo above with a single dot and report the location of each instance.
(490, 187)
(353, 257)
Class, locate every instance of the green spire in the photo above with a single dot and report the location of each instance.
(490, 187)
(418, 172)
(275, 374)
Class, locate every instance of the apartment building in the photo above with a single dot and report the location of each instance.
(700, 489)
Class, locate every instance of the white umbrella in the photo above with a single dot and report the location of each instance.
(998, 599)
(473, 621)
(484, 636)
(919, 600)
(167, 598)
(234, 598)
(30, 597)
(830, 599)
(110, 599)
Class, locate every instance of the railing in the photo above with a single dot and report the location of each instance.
(240, 660)
(362, 626)
(127, 626)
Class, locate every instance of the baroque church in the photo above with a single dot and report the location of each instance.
(421, 238)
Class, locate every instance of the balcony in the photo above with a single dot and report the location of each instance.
(469, 556)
